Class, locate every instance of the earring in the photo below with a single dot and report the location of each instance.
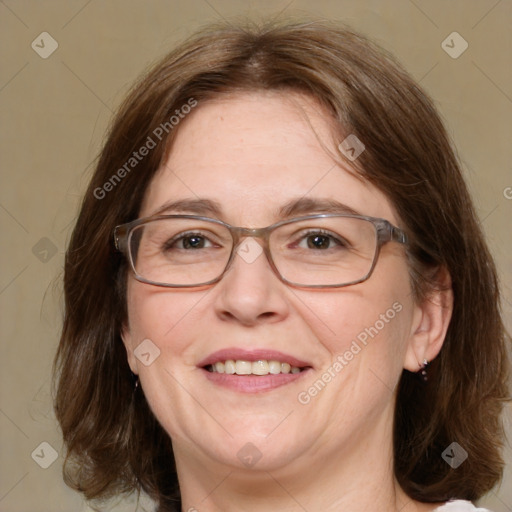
(424, 370)
(135, 379)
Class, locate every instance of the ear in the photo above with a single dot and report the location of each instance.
(430, 323)
(128, 345)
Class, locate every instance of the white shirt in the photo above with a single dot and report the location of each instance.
(460, 506)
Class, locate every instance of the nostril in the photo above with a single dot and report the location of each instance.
(246, 320)
(226, 316)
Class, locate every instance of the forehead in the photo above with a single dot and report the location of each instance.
(254, 152)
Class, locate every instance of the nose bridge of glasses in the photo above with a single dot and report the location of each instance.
(240, 233)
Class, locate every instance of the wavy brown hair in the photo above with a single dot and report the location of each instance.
(114, 443)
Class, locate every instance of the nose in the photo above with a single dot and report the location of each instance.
(250, 293)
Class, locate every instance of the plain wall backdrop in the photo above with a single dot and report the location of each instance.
(66, 65)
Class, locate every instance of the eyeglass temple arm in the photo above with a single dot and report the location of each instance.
(389, 233)
(120, 238)
(397, 235)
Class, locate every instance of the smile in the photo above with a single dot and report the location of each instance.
(260, 367)
(253, 371)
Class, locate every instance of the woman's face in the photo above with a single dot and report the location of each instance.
(251, 154)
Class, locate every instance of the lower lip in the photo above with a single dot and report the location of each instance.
(253, 383)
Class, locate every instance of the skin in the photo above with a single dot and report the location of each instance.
(252, 153)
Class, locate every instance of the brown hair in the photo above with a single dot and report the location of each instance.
(114, 442)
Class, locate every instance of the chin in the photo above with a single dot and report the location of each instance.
(254, 456)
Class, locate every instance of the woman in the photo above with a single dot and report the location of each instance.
(278, 295)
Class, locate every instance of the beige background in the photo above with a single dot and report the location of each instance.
(54, 112)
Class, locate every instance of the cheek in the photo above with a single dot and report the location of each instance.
(369, 322)
(169, 320)
(353, 326)
(364, 337)
(160, 314)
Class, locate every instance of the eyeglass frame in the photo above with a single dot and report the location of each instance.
(385, 232)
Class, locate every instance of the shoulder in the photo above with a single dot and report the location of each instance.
(459, 506)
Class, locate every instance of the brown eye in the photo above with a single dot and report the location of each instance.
(193, 242)
(188, 241)
(319, 242)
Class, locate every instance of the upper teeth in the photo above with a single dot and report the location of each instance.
(261, 367)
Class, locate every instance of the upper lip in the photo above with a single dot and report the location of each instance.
(252, 355)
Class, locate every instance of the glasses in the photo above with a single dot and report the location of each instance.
(315, 251)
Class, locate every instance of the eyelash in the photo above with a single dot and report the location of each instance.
(298, 237)
(181, 236)
(321, 232)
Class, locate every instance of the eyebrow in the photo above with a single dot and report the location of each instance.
(307, 205)
(203, 207)
(295, 207)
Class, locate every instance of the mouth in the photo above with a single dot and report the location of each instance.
(259, 367)
(252, 371)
